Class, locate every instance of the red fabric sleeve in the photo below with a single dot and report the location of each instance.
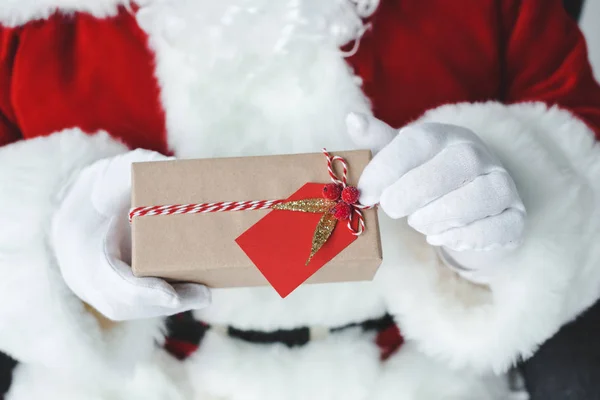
(9, 131)
(546, 59)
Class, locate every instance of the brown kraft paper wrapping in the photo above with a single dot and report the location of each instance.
(201, 248)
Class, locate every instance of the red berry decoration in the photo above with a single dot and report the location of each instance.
(332, 191)
(341, 211)
(350, 195)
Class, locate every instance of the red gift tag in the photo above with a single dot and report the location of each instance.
(280, 243)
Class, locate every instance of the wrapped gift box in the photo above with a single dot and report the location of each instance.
(229, 249)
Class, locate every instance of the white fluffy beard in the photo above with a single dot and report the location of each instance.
(254, 77)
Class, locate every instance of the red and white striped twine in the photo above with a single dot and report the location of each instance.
(222, 206)
(202, 208)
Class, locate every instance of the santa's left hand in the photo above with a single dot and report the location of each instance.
(444, 179)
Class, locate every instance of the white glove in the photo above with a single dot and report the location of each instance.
(92, 240)
(446, 181)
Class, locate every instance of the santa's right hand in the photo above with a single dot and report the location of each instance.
(91, 238)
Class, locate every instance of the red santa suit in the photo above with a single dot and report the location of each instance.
(81, 80)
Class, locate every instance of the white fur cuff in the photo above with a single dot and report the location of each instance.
(41, 321)
(555, 162)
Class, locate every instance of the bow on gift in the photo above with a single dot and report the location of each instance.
(339, 202)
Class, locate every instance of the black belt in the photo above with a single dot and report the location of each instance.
(184, 327)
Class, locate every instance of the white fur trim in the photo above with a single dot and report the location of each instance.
(343, 366)
(555, 163)
(41, 321)
(158, 379)
(19, 12)
(410, 374)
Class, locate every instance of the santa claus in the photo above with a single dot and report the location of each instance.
(482, 115)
